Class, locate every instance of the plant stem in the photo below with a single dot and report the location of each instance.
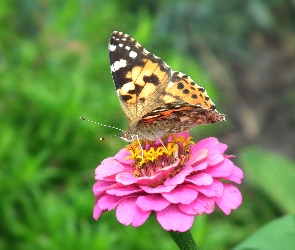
(184, 241)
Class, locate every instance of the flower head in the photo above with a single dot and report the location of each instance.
(175, 178)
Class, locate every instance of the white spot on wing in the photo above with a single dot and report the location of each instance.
(118, 64)
(127, 47)
(112, 47)
(132, 54)
(120, 45)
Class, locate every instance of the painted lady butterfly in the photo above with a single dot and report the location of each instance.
(156, 100)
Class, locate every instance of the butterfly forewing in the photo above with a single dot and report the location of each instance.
(139, 76)
(156, 100)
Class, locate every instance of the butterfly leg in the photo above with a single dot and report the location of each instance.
(160, 141)
(139, 145)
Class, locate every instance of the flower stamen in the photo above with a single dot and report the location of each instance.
(150, 156)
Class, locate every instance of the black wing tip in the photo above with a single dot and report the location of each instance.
(115, 32)
(117, 36)
(119, 33)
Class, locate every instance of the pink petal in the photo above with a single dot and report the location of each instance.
(181, 194)
(210, 142)
(158, 189)
(122, 191)
(128, 212)
(180, 177)
(199, 206)
(126, 178)
(222, 147)
(200, 166)
(171, 218)
(149, 180)
(215, 156)
(106, 170)
(230, 199)
(197, 156)
(100, 186)
(236, 175)
(168, 169)
(158, 177)
(108, 202)
(200, 179)
(140, 217)
(151, 202)
(96, 212)
(121, 156)
(220, 170)
(213, 190)
(109, 160)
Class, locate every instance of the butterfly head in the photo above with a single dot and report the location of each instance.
(128, 137)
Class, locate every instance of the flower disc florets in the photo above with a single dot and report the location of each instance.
(149, 157)
(175, 178)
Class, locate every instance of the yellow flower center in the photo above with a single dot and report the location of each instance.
(148, 157)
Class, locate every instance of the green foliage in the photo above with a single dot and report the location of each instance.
(278, 234)
(54, 68)
(268, 169)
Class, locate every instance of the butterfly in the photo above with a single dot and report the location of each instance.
(156, 100)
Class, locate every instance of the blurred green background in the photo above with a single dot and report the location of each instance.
(54, 68)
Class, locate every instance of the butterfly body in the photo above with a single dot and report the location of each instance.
(156, 100)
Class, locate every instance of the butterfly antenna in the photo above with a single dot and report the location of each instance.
(84, 119)
(103, 138)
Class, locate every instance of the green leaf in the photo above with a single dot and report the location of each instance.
(271, 173)
(278, 234)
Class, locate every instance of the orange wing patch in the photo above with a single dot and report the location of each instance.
(186, 89)
(163, 114)
(144, 81)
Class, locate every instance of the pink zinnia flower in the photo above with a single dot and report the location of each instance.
(176, 179)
